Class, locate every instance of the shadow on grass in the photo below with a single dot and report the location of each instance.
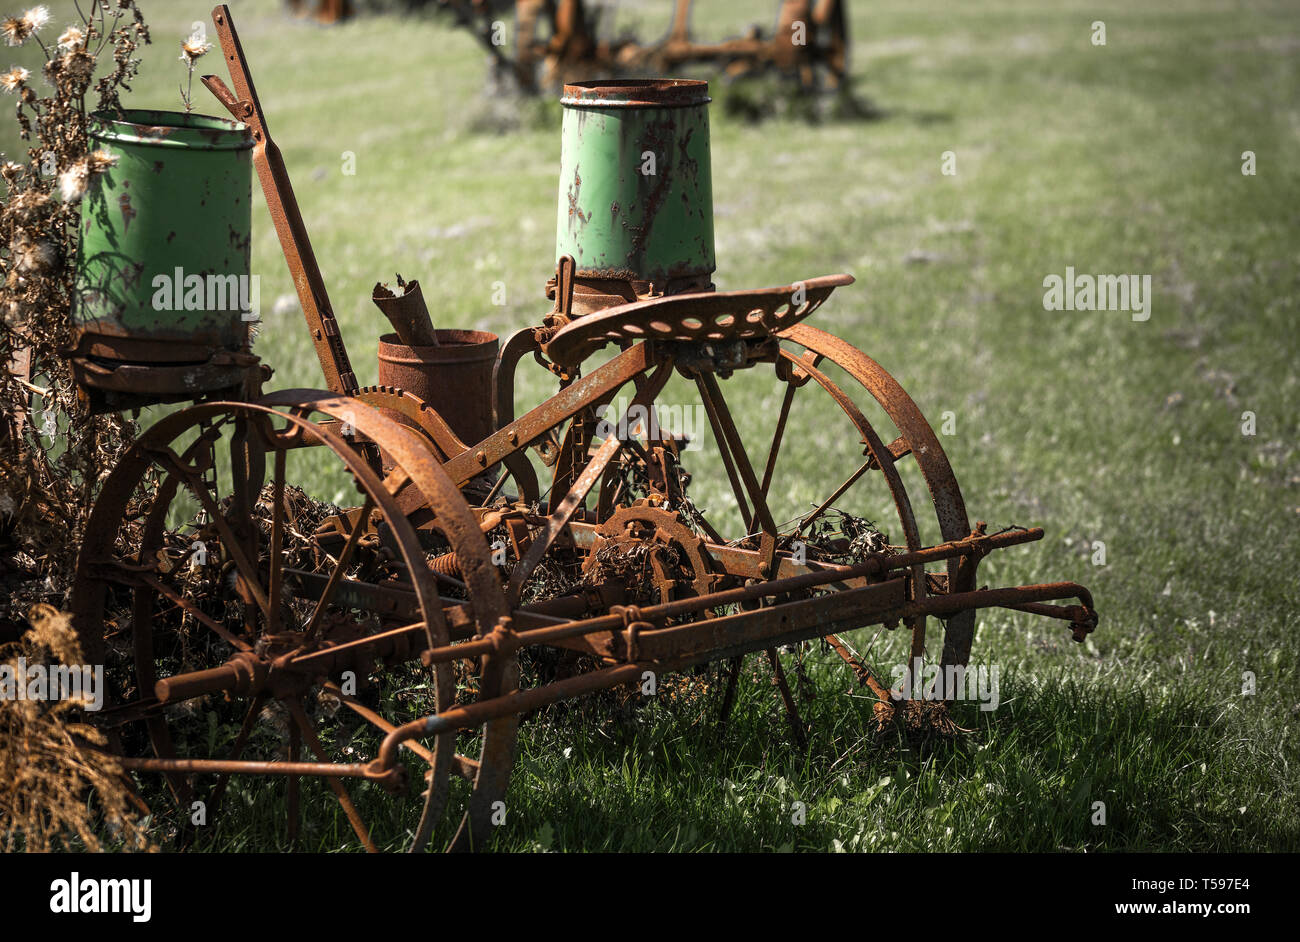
(1173, 767)
(1170, 770)
(754, 100)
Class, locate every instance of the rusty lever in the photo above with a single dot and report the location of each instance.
(244, 106)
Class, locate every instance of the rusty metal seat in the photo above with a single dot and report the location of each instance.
(697, 317)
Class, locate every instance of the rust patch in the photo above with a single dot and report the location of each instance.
(128, 211)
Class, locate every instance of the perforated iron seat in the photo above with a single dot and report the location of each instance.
(718, 316)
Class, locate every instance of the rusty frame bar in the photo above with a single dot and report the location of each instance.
(244, 105)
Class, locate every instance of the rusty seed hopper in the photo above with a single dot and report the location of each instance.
(479, 535)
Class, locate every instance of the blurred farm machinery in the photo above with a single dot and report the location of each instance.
(556, 41)
(209, 588)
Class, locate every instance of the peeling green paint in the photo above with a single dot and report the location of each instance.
(636, 186)
(176, 204)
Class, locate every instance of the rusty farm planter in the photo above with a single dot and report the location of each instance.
(409, 574)
(164, 294)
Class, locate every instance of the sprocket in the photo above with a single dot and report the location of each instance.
(654, 550)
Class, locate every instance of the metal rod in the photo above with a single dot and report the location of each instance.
(873, 565)
(183, 766)
(520, 701)
(244, 105)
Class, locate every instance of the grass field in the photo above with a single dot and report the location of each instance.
(1123, 158)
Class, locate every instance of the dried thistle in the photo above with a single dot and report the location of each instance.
(57, 790)
(100, 160)
(13, 80)
(72, 182)
(17, 30)
(49, 486)
(33, 257)
(72, 40)
(36, 17)
(192, 49)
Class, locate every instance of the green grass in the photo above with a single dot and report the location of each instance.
(1123, 158)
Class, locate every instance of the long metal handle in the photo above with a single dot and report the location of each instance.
(244, 106)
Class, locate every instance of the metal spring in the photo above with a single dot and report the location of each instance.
(447, 565)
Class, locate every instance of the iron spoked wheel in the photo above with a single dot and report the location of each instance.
(231, 634)
(824, 474)
(930, 475)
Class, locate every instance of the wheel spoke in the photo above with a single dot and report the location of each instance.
(560, 517)
(170, 462)
(858, 665)
(777, 435)
(729, 697)
(463, 766)
(276, 574)
(313, 742)
(336, 576)
(496, 488)
(190, 608)
(247, 470)
(724, 451)
(791, 711)
(836, 495)
(237, 750)
(292, 789)
(710, 386)
(917, 625)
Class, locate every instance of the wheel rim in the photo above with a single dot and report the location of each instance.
(254, 579)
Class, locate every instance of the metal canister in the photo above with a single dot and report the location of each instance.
(636, 184)
(454, 378)
(163, 255)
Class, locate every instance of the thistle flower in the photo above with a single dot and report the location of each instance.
(28, 206)
(194, 48)
(18, 29)
(15, 31)
(191, 50)
(12, 80)
(72, 182)
(99, 161)
(36, 17)
(72, 39)
(33, 255)
(77, 63)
